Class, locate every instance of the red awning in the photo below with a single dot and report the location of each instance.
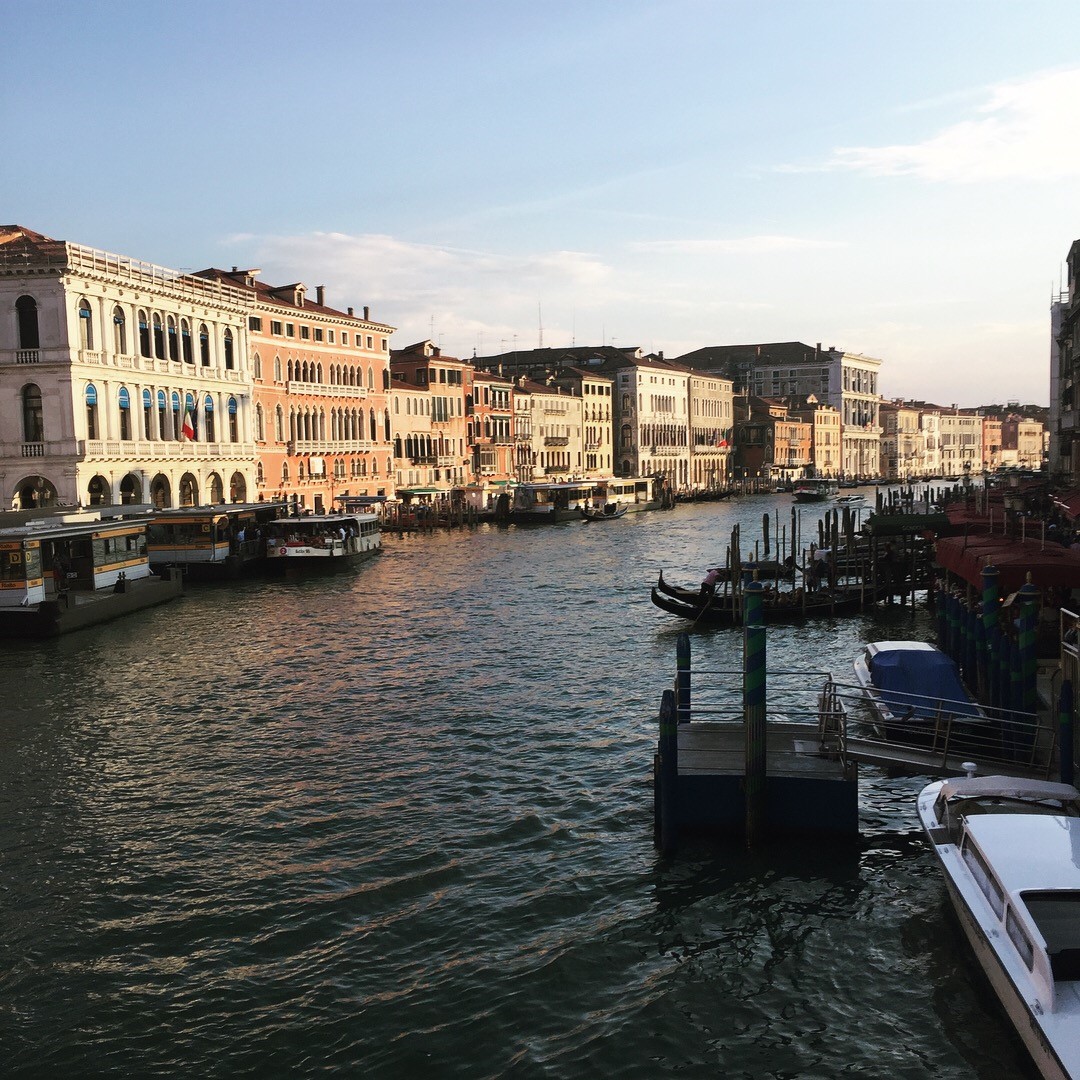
(1049, 563)
(1069, 503)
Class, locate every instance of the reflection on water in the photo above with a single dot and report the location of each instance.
(398, 822)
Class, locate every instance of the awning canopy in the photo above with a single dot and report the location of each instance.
(1049, 563)
(1068, 502)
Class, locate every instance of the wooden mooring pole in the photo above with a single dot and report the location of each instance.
(754, 713)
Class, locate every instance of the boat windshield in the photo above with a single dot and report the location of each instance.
(1057, 915)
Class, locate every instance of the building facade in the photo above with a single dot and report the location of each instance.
(120, 381)
(320, 382)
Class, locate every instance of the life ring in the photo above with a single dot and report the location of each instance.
(281, 551)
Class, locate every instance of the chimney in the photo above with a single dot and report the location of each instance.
(320, 294)
(350, 312)
(817, 352)
(367, 312)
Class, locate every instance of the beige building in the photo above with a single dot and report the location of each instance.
(432, 455)
(553, 420)
(711, 413)
(595, 391)
(825, 435)
(104, 361)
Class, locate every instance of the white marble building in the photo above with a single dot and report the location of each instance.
(102, 359)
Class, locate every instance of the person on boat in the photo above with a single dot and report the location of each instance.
(708, 585)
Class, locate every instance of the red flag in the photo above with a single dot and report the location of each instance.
(188, 430)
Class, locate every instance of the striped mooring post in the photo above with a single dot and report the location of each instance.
(1029, 621)
(754, 712)
(1065, 732)
(682, 677)
(667, 776)
(991, 605)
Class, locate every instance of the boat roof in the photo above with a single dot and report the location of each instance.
(1030, 851)
(323, 519)
(1007, 787)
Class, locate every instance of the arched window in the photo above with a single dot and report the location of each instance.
(148, 414)
(86, 324)
(279, 425)
(260, 476)
(144, 334)
(228, 349)
(191, 414)
(260, 432)
(159, 338)
(204, 345)
(177, 419)
(123, 401)
(234, 435)
(386, 379)
(174, 341)
(256, 366)
(91, 411)
(208, 410)
(33, 418)
(277, 369)
(371, 423)
(386, 424)
(119, 331)
(26, 310)
(185, 342)
(284, 472)
(370, 378)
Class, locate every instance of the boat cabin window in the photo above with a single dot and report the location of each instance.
(983, 877)
(1020, 940)
(1057, 915)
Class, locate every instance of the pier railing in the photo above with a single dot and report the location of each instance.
(805, 699)
(938, 735)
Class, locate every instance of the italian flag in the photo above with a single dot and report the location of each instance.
(188, 430)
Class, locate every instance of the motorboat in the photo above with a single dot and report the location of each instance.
(850, 500)
(913, 687)
(1009, 850)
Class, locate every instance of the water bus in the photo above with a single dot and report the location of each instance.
(62, 570)
(321, 540)
(212, 541)
(815, 489)
(545, 502)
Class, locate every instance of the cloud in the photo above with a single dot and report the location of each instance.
(463, 295)
(743, 245)
(1022, 132)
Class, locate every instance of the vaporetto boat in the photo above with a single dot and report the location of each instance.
(321, 540)
(1010, 853)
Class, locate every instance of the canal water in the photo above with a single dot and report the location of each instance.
(397, 822)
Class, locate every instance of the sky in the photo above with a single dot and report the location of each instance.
(895, 178)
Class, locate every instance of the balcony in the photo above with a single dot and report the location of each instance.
(556, 440)
(324, 390)
(165, 450)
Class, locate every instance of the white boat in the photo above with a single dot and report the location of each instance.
(850, 500)
(913, 687)
(815, 489)
(321, 540)
(1010, 853)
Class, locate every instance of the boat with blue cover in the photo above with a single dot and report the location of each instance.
(913, 687)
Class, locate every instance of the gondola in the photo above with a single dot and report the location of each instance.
(607, 512)
(725, 609)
